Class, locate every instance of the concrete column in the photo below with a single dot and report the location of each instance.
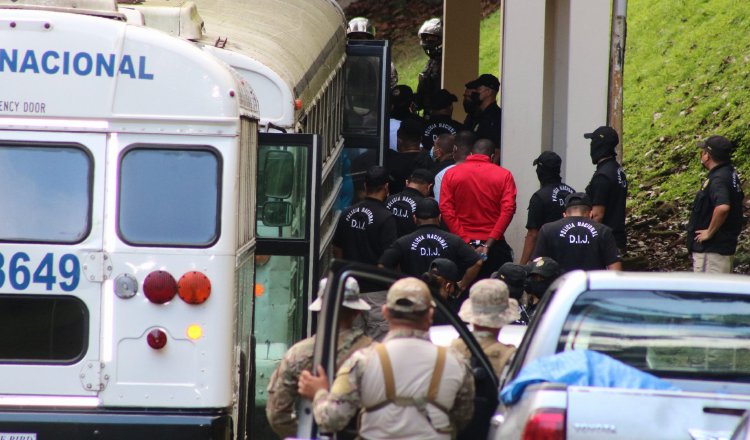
(523, 86)
(460, 47)
(554, 88)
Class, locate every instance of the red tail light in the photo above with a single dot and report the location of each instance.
(194, 288)
(159, 287)
(545, 424)
(156, 339)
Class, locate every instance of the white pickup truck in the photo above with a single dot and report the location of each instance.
(692, 330)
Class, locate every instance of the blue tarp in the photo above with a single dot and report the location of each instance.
(583, 368)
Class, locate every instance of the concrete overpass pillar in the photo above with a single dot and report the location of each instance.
(554, 89)
(460, 47)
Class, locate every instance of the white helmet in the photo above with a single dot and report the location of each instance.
(360, 27)
(433, 26)
(431, 37)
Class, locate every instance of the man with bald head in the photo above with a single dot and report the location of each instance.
(477, 201)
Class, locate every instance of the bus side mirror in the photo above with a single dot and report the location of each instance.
(277, 213)
(278, 172)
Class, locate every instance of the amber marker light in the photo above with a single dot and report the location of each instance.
(194, 288)
(194, 332)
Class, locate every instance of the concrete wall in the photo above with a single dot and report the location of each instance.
(554, 89)
(461, 20)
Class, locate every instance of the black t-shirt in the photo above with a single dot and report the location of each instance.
(721, 187)
(577, 243)
(401, 165)
(365, 230)
(609, 187)
(439, 124)
(414, 252)
(547, 204)
(486, 124)
(402, 205)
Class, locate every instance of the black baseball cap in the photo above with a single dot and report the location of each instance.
(549, 159)
(422, 175)
(442, 99)
(376, 176)
(427, 208)
(545, 267)
(485, 79)
(514, 276)
(445, 268)
(577, 199)
(719, 147)
(606, 134)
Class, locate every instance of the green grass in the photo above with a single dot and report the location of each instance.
(687, 76)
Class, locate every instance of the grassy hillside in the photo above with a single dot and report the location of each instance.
(686, 77)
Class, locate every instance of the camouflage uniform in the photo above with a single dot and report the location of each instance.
(498, 353)
(334, 409)
(282, 389)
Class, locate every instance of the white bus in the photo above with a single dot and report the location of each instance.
(140, 293)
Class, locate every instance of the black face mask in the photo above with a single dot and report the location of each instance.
(599, 150)
(472, 103)
(546, 175)
(536, 287)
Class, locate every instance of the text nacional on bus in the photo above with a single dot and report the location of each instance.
(73, 63)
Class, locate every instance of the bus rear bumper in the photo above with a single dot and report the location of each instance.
(114, 425)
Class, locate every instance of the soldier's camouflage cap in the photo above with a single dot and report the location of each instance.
(489, 305)
(409, 295)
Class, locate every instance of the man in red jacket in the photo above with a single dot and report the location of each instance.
(477, 201)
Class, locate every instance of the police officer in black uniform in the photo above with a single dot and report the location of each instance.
(366, 229)
(414, 252)
(403, 204)
(716, 218)
(548, 203)
(576, 241)
(441, 119)
(486, 117)
(542, 272)
(608, 188)
(431, 39)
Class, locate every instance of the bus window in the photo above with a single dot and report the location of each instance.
(362, 80)
(169, 197)
(42, 329)
(52, 181)
(282, 191)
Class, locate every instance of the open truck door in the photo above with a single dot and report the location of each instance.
(377, 283)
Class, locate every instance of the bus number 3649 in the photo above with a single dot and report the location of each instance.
(18, 272)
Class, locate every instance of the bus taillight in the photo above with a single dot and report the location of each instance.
(157, 339)
(159, 287)
(194, 288)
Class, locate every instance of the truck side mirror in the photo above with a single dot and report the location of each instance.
(278, 172)
(277, 213)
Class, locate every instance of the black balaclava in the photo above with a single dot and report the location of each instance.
(548, 175)
(600, 150)
(537, 287)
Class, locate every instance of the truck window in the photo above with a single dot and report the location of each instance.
(670, 334)
(46, 196)
(169, 196)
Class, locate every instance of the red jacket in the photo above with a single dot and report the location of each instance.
(478, 199)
